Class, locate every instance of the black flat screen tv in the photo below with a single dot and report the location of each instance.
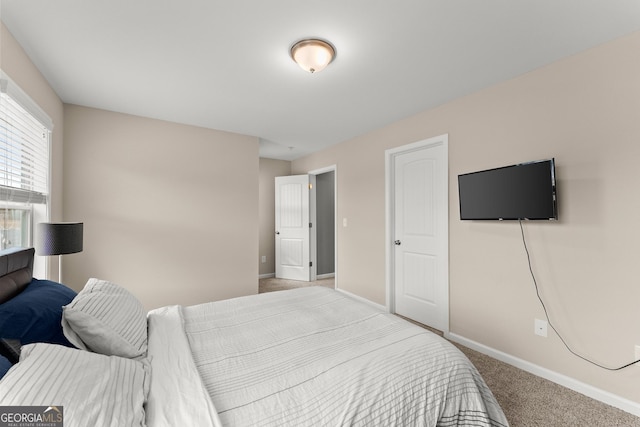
(522, 191)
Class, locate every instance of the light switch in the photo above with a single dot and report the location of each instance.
(344, 222)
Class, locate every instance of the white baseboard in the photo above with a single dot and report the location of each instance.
(318, 277)
(586, 389)
(364, 300)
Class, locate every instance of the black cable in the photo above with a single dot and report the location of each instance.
(535, 282)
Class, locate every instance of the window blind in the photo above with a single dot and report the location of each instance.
(24, 147)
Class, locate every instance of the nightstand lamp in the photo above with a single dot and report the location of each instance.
(59, 238)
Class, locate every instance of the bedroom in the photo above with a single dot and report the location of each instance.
(581, 110)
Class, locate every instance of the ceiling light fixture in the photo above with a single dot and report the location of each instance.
(313, 55)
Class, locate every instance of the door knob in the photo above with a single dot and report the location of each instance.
(277, 232)
(398, 242)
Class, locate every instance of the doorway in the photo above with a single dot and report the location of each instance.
(326, 224)
(417, 249)
(306, 253)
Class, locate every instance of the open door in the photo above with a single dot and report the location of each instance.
(295, 237)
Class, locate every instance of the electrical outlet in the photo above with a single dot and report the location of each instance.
(540, 327)
(637, 352)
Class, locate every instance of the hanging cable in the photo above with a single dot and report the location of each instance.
(546, 313)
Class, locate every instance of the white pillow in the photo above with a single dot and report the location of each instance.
(93, 390)
(105, 318)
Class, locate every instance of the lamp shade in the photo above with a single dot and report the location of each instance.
(59, 238)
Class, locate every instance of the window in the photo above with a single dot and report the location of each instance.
(25, 133)
(15, 226)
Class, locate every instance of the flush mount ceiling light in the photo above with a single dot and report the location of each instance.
(313, 55)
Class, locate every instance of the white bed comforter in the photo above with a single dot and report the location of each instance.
(308, 357)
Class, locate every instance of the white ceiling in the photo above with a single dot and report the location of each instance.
(225, 64)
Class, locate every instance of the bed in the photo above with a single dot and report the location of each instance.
(305, 357)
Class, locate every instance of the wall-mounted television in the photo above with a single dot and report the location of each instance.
(522, 191)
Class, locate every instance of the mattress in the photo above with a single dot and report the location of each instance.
(307, 357)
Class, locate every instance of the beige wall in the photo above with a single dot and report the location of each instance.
(269, 169)
(170, 211)
(15, 62)
(584, 111)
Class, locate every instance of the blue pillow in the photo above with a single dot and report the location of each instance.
(5, 365)
(34, 315)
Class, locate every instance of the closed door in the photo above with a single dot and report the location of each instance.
(420, 233)
(293, 238)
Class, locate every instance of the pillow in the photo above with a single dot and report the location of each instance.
(5, 365)
(34, 315)
(105, 318)
(93, 390)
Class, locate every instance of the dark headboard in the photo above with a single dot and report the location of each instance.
(16, 271)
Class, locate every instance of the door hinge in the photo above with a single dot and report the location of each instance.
(310, 225)
(310, 264)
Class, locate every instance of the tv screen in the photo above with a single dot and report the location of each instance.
(522, 191)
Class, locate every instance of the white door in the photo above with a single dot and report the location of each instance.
(419, 246)
(294, 242)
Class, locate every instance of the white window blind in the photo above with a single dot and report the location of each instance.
(24, 147)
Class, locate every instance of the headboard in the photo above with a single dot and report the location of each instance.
(16, 271)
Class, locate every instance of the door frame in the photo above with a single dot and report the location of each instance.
(390, 155)
(320, 171)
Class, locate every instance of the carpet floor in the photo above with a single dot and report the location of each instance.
(527, 400)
